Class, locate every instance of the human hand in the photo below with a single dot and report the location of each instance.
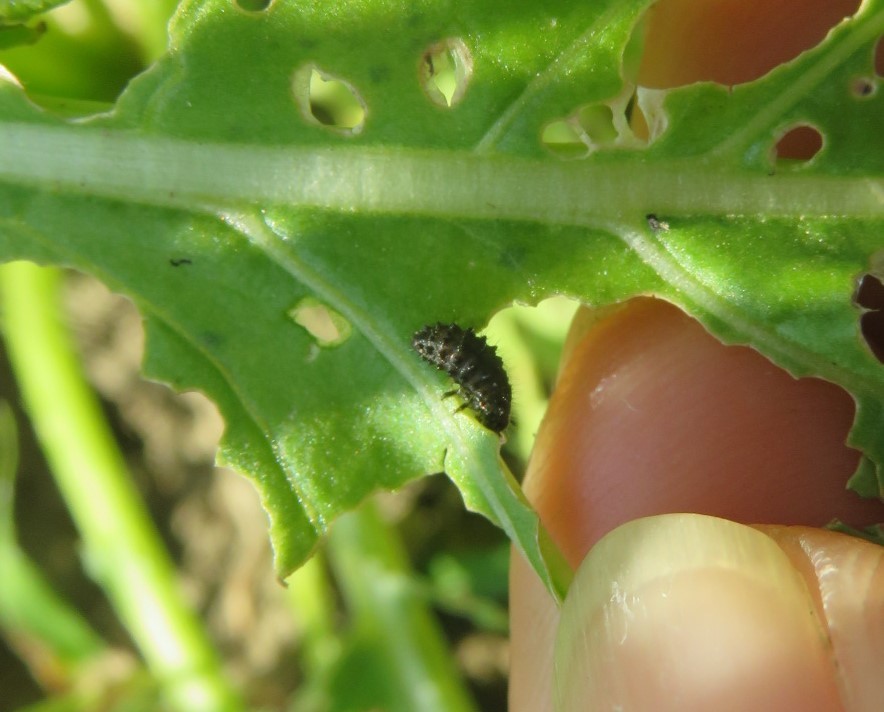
(653, 415)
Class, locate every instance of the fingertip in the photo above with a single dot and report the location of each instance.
(845, 576)
(652, 414)
(678, 612)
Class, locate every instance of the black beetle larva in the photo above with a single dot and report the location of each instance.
(474, 366)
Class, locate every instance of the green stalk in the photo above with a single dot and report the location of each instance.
(312, 598)
(389, 611)
(122, 548)
(311, 595)
(30, 611)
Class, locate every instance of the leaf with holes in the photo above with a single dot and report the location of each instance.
(287, 223)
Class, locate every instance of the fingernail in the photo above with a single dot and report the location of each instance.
(689, 612)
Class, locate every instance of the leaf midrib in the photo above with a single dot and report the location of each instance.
(189, 174)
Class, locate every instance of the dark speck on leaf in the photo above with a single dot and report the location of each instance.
(177, 262)
(212, 339)
(656, 224)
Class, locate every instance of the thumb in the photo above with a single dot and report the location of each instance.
(650, 416)
(689, 612)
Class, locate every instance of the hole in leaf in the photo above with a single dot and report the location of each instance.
(870, 296)
(863, 87)
(565, 139)
(253, 5)
(597, 122)
(593, 127)
(542, 331)
(328, 101)
(445, 71)
(36, 52)
(648, 118)
(731, 41)
(325, 325)
(800, 143)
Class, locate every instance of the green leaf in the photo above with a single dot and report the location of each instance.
(12, 35)
(25, 9)
(13, 31)
(282, 261)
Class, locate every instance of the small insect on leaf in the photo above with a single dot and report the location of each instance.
(474, 366)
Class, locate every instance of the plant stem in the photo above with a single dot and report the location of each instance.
(123, 550)
(388, 609)
(32, 615)
(312, 597)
